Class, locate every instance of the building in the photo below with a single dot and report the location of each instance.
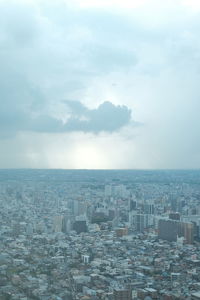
(171, 229)
(79, 207)
(120, 232)
(187, 231)
(132, 205)
(80, 226)
(122, 294)
(195, 296)
(58, 223)
(174, 216)
(140, 222)
(149, 209)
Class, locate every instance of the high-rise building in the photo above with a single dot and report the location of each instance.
(171, 229)
(140, 222)
(187, 231)
(173, 199)
(80, 226)
(66, 224)
(174, 216)
(168, 230)
(132, 205)
(79, 207)
(149, 208)
(57, 223)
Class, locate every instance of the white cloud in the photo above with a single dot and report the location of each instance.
(192, 4)
(114, 4)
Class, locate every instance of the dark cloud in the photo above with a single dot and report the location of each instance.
(107, 117)
(51, 50)
(44, 58)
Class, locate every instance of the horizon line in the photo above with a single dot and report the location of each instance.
(103, 169)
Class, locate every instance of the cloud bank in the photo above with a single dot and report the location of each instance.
(140, 56)
(44, 60)
(107, 117)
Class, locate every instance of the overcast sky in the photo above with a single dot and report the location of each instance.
(100, 84)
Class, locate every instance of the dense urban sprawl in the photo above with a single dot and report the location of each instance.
(99, 235)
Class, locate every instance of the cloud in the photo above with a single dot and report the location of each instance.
(107, 117)
(45, 59)
(143, 59)
(127, 4)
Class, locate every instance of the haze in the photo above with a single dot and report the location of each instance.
(99, 84)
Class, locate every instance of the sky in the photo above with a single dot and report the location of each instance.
(100, 84)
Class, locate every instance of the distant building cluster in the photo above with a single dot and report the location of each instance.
(110, 235)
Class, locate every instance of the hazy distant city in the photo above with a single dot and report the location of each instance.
(83, 234)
